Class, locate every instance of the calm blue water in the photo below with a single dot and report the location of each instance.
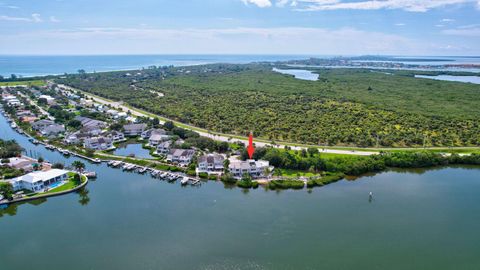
(465, 79)
(301, 74)
(29, 66)
(132, 149)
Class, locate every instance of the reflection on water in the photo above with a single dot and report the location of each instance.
(11, 210)
(301, 74)
(132, 149)
(451, 78)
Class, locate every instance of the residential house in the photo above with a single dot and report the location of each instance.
(181, 156)
(50, 100)
(210, 163)
(252, 167)
(113, 113)
(163, 148)
(91, 123)
(157, 136)
(52, 130)
(28, 119)
(38, 181)
(134, 129)
(23, 163)
(116, 136)
(41, 124)
(98, 143)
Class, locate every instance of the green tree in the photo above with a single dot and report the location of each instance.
(226, 164)
(78, 165)
(6, 190)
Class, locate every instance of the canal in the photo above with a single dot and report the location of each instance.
(416, 220)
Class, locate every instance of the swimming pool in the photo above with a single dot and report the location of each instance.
(54, 185)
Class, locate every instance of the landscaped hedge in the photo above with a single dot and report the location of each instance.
(286, 184)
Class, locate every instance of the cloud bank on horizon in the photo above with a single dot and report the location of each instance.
(314, 27)
(317, 5)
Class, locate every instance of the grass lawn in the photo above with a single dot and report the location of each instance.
(32, 82)
(296, 173)
(67, 186)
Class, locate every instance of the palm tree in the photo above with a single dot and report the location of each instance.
(226, 163)
(78, 165)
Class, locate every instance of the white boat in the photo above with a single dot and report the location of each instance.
(13, 125)
(184, 181)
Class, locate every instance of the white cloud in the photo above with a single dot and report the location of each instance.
(400, 24)
(19, 19)
(54, 19)
(282, 3)
(282, 40)
(472, 30)
(34, 18)
(447, 20)
(259, 3)
(407, 5)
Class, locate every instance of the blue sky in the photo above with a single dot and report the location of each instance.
(320, 27)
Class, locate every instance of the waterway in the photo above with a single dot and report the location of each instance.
(135, 149)
(465, 79)
(416, 220)
(301, 74)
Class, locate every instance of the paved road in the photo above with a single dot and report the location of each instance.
(223, 138)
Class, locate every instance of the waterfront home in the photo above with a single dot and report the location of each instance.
(21, 163)
(116, 136)
(210, 163)
(181, 156)
(38, 181)
(13, 101)
(134, 129)
(157, 136)
(164, 147)
(21, 113)
(91, 130)
(91, 123)
(98, 143)
(52, 130)
(49, 99)
(41, 124)
(28, 119)
(75, 137)
(255, 168)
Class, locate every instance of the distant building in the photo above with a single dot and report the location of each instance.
(182, 156)
(41, 124)
(21, 163)
(134, 129)
(254, 168)
(157, 136)
(50, 100)
(38, 181)
(163, 148)
(210, 163)
(91, 123)
(116, 136)
(98, 143)
(52, 130)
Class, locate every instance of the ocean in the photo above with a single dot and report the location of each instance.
(29, 66)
